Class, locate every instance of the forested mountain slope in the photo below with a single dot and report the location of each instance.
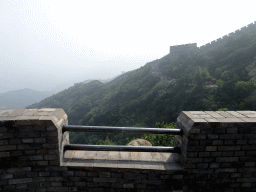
(140, 98)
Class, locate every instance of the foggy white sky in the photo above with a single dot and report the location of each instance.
(44, 43)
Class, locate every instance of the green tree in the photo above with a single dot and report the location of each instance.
(161, 139)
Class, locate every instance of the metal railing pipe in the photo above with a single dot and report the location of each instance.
(77, 128)
(121, 148)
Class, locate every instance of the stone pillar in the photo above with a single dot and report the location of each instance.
(218, 149)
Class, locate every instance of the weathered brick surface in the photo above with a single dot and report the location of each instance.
(217, 154)
(231, 146)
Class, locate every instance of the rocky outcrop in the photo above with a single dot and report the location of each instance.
(139, 142)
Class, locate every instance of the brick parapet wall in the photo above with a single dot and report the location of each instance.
(219, 149)
(218, 154)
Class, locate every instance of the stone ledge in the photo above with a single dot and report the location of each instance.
(208, 117)
(143, 161)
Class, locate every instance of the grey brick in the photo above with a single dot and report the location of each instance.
(239, 153)
(16, 153)
(40, 140)
(232, 130)
(29, 152)
(53, 151)
(104, 174)
(29, 146)
(15, 141)
(51, 157)
(209, 160)
(49, 134)
(29, 134)
(52, 139)
(241, 142)
(214, 165)
(27, 129)
(140, 186)
(51, 128)
(80, 173)
(155, 182)
(92, 174)
(229, 148)
(216, 154)
(195, 148)
(192, 136)
(42, 163)
(6, 135)
(57, 189)
(3, 129)
(35, 157)
(4, 154)
(219, 130)
(217, 142)
(236, 175)
(249, 136)
(228, 154)
(130, 185)
(44, 174)
(252, 141)
(211, 148)
(231, 136)
(205, 142)
(15, 170)
(105, 185)
(249, 147)
(54, 162)
(202, 165)
(204, 154)
(226, 159)
(50, 146)
(56, 184)
(41, 151)
(246, 180)
(68, 173)
(226, 170)
(116, 185)
(229, 142)
(17, 181)
(213, 136)
(21, 186)
(249, 164)
(39, 128)
(4, 142)
(110, 180)
(193, 154)
(6, 176)
(244, 129)
(27, 140)
(80, 184)
(8, 148)
(251, 153)
(73, 188)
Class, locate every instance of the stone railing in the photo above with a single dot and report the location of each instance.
(218, 153)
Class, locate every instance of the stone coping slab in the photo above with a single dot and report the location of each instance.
(219, 116)
(122, 160)
(26, 116)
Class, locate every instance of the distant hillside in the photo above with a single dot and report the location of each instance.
(140, 98)
(19, 99)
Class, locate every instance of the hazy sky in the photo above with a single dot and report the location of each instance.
(44, 43)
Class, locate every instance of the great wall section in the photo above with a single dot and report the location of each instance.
(218, 153)
(177, 50)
